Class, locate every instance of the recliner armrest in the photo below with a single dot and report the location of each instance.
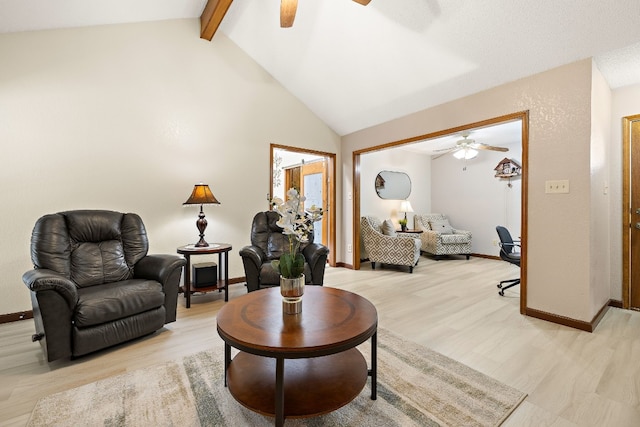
(42, 279)
(252, 259)
(314, 252)
(158, 267)
(254, 254)
(316, 256)
(167, 270)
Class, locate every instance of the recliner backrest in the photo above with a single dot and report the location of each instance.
(89, 247)
(267, 235)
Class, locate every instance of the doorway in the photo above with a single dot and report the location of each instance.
(631, 213)
(312, 173)
(523, 117)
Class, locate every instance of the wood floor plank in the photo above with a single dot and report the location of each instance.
(573, 378)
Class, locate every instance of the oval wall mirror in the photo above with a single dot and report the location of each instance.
(393, 185)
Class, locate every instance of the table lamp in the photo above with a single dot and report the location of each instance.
(201, 195)
(405, 207)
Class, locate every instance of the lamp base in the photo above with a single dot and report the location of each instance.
(201, 223)
(201, 243)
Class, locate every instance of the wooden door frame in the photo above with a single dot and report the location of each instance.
(331, 197)
(626, 208)
(523, 116)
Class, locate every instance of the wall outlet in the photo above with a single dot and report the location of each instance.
(349, 248)
(495, 242)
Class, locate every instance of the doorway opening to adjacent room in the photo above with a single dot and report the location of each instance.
(631, 212)
(520, 118)
(313, 174)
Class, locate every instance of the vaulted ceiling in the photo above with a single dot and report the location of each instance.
(356, 66)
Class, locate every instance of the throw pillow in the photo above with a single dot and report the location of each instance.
(441, 226)
(388, 229)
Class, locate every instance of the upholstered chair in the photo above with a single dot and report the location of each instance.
(439, 238)
(392, 248)
(94, 285)
(267, 244)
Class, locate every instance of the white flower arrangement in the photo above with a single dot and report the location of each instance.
(297, 224)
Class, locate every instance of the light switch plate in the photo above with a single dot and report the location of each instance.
(557, 186)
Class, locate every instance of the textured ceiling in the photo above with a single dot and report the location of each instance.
(357, 66)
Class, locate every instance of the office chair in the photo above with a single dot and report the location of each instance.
(507, 253)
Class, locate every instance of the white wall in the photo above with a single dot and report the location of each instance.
(625, 102)
(129, 118)
(600, 261)
(559, 105)
(417, 166)
(468, 192)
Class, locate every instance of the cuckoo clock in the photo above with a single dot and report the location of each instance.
(508, 168)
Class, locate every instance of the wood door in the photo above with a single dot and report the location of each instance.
(314, 186)
(633, 227)
(293, 177)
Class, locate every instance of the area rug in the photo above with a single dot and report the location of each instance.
(416, 387)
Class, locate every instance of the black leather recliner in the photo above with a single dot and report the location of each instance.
(267, 244)
(93, 284)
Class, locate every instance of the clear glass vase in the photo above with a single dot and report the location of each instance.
(292, 291)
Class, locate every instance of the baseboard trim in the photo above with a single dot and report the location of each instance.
(567, 321)
(497, 258)
(344, 265)
(615, 303)
(235, 280)
(13, 317)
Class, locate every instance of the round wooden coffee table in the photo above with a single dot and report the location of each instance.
(298, 365)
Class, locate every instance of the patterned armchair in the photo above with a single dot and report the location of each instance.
(439, 238)
(388, 249)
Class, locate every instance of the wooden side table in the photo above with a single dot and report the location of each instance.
(222, 249)
(410, 231)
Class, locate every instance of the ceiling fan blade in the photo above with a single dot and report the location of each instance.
(287, 12)
(362, 2)
(447, 150)
(489, 147)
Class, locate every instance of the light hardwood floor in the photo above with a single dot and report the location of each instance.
(572, 378)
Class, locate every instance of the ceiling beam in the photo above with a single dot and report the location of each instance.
(212, 16)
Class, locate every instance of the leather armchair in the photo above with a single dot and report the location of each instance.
(93, 284)
(267, 244)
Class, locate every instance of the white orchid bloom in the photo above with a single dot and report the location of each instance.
(294, 220)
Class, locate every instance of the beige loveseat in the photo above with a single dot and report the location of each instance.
(439, 238)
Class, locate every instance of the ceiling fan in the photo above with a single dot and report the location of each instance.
(468, 148)
(288, 11)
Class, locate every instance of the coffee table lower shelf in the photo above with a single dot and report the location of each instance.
(312, 387)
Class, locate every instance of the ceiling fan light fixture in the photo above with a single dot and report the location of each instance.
(288, 12)
(465, 153)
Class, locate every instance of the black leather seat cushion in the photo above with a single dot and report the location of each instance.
(105, 303)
